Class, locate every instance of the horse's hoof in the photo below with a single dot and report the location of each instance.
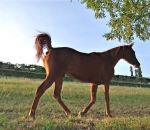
(68, 115)
(31, 116)
(108, 116)
(80, 114)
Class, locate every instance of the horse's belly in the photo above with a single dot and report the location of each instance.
(92, 76)
(90, 69)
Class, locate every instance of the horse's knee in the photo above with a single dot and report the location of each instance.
(40, 90)
(56, 97)
(93, 101)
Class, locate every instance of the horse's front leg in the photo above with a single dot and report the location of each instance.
(107, 107)
(93, 90)
(57, 95)
(40, 91)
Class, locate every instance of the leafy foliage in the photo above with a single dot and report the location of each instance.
(128, 18)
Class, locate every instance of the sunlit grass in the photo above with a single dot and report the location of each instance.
(130, 107)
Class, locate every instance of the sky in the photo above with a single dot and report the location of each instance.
(70, 24)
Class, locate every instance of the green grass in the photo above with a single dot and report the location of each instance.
(130, 107)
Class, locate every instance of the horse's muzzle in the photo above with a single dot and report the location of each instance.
(137, 65)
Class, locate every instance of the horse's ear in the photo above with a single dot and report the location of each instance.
(131, 45)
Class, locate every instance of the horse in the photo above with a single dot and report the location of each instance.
(95, 68)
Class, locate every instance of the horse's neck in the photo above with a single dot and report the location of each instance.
(115, 55)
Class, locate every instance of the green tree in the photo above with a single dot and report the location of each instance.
(131, 70)
(140, 72)
(1, 63)
(128, 18)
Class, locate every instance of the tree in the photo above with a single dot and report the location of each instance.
(131, 70)
(128, 18)
(140, 72)
(136, 72)
(1, 63)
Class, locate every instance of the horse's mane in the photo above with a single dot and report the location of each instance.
(42, 40)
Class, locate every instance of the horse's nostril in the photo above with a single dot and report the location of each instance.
(137, 66)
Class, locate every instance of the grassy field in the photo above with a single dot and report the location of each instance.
(130, 107)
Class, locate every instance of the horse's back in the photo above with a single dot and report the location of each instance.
(92, 67)
(89, 67)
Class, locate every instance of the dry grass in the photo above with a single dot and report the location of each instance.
(130, 107)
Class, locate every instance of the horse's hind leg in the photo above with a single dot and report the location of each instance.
(106, 94)
(57, 95)
(93, 90)
(40, 91)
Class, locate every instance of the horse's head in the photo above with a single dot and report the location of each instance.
(129, 55)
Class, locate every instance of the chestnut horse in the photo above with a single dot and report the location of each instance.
(94, 68)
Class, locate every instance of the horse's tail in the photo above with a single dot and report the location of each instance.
(42, 40)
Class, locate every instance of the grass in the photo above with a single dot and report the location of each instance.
(130, 107)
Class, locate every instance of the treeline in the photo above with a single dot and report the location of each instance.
(35, 71)
(21, 70)
(22, 67)
(134, 81)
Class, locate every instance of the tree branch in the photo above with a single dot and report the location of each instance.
(145, 6)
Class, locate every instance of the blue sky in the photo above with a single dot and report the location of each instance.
(70, 24)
